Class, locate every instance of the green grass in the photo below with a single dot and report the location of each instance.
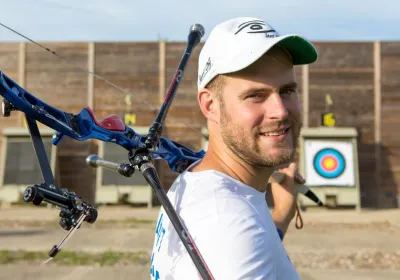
(69, 258)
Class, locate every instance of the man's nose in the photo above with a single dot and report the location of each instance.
(276, 108)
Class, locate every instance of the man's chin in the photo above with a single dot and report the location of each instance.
(277, 149)
(280, 156)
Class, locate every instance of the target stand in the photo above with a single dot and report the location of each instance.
(329, 163)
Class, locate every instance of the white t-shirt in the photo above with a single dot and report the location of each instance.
(231, 225)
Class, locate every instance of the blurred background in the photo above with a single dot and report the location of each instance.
(350, 99)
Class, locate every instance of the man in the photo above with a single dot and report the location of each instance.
(247, 91)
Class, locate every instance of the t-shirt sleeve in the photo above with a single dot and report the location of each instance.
(240, 249)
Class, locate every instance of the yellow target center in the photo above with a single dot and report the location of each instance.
(329, 163)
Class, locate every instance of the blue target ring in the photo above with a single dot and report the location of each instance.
(329, 163)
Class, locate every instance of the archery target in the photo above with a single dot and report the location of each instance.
(329, 163)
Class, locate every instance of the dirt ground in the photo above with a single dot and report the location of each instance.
(333, 244)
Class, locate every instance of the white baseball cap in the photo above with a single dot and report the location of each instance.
(237, 43)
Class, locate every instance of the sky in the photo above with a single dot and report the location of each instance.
(134, 20)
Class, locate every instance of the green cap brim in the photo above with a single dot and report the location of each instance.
(302, 51)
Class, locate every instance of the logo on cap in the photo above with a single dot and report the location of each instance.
(206, 69)
(257, 26)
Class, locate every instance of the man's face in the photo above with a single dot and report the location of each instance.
(260, 114)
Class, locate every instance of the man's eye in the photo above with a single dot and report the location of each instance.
(254, 95)
(251, 96)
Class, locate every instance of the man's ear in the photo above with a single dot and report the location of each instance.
(208, 104)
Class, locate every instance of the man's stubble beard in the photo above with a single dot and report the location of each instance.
(250, 152)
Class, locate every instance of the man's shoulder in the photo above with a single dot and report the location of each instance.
(208, 189)
(217, 198)
(199, 183)
(209, 180)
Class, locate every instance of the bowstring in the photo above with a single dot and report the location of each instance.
(99, 77)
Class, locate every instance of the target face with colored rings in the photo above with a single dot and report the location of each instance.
(329, 163)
